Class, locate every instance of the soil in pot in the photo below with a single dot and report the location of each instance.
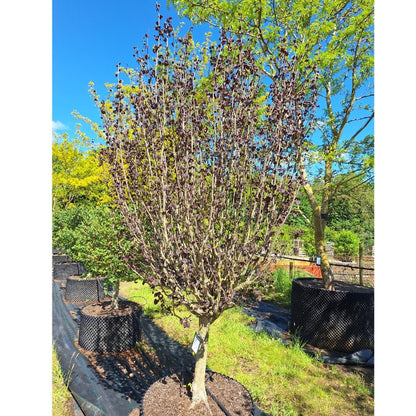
(103, 329)
(171, 396)
(103, 309)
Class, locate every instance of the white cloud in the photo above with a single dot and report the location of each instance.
(57, 125)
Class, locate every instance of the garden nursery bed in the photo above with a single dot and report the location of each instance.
(115, 383)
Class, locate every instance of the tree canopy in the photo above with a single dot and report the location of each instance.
(204, 168)
(77, 177)
(337, 36)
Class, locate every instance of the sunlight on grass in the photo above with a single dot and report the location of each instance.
(282, 380)
(60, 393)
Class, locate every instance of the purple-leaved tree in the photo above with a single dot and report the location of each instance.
(204, 161)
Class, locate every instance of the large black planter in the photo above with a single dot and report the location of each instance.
(340, 320)
(84, 290)
(62, 271)
(116, 333)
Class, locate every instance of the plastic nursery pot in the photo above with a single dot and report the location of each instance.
(171, 396)
(79, 289)
(60, 258)
(339, 320)
(103, 329)
(62, 271)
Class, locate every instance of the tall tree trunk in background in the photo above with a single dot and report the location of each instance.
(320, 213)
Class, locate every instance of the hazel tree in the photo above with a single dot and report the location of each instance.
(204, 162)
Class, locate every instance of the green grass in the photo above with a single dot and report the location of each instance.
(281, 291)
(61, 397)
(282, 380)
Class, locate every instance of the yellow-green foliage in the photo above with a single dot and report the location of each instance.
(77, 176)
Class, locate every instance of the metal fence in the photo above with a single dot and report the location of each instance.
(357, 270)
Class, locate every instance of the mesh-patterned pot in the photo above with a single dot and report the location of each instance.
(339, 320)
(84, 290)
(62, 271)
(108, 330)
(60, 258)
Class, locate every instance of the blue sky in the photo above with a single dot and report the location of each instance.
(89, 38)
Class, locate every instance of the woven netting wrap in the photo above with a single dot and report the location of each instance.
(339, 320)
(61, 258)
(62, 271)
(110, 333)
(84, 290)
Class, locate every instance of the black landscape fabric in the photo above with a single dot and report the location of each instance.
(95, 395)
(118, 388)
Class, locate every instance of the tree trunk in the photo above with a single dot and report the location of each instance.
(319, 224)
(319, 230)
(199, 394)
(114, 297)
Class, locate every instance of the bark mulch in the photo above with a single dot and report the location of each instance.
(171, 396)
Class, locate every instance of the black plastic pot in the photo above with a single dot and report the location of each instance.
(110, 333)
(340, 320)
(61, 258)
(62, 271)
(84, 290)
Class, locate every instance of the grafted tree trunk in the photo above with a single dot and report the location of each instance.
(114, 297)
(319, 230)
(199, 394)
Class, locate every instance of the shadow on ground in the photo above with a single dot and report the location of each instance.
(114, 384)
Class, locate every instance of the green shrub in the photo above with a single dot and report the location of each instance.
(308, 242)
(64, 227)
(282, 286)
(281, 290)
(99, 244)
(93, 236)
(288, 233)
(347, 243)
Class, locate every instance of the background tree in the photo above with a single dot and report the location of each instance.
(77, 177)
(84, 223)
(337, 35)
(65, 223)
(204, 170)
(351, 207)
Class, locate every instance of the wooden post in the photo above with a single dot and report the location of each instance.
(360, 262)
(291, 270)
